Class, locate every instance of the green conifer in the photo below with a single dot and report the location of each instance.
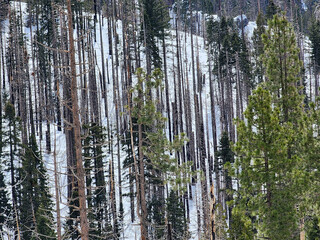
(283, 66)
(155, 22)
(270, 163)
(176, 218)
(93, 143)
(11, 156)
(225, 157)
(258, 47)
(272, 9)
(5, 207)
(268, 181)
(160, 167)
(314, 36)
(36, 204)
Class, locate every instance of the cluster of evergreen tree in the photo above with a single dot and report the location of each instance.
(28, 212)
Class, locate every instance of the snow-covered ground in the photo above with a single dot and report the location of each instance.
(132, 230)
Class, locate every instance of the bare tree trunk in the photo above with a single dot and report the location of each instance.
(57, 187)
(144, 229)
(1, 69)
(56, 75)
(213, 114)
(193, 139)
(166, 86)
(212, 214)
(77, 135)
(302, 231)
(204, 180)
(316, 80)
(230, 102)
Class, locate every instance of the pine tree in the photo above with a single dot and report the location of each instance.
(314, 36)
(93, 143)
(258, 48)
(36, 203)
(270, 163)
(154, 26)
(313, 228)
(242, 227)
(177, 225)
(5, 207)
(226, 45)
(268, 181)
(11, 140)
(156, 166)
(283, 66)
(245, 66)
(272, 9)
(226, 158)
(311, 207)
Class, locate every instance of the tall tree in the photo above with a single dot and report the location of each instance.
(93, 143)
(272, 9)
(155, 22)
(270, 145)
(268, 181)
(226, 158)
(283, 66)
(5, 207)
(258, 48)
(76, 127)
(11, 140)
(314, 36)
(177, 225)
(155, 164)
(36, 203)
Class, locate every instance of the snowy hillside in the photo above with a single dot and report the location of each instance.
(142, 179)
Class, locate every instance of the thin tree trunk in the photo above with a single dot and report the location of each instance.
(144, 229)
(212, 214)
(57, 187)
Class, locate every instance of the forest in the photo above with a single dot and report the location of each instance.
(159, 119)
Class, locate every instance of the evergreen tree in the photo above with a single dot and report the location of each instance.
(272, 9)
(270, 144)
(245, 65)
(155, 23)
(258, 48)
(93, 143)
(5, 207)
(314, 37)
(177, 225)
(313, 228)
(36, 204)
(226, 158)
(11, 155)
(227, 48)
(242, 228)
(282, 64)
(154, 149)
(268, 179)
(311, 205)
